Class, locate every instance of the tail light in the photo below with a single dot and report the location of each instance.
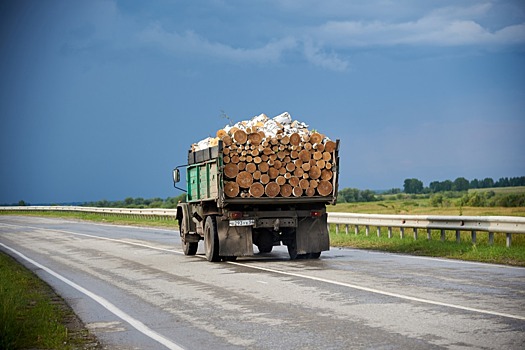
(316, 213)
(235, 215)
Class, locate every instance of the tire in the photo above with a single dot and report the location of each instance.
(264, 240)
(229, 258)
(292, 250)
(211, 239)
(265, 249)
(315, 255)
(189, 248)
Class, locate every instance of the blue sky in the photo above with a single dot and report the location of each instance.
(101, 99)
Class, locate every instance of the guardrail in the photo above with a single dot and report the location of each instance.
(473, 224)
(164, 214)
(507, 225)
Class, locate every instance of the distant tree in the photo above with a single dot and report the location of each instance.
(461, 184)
(487, 183)
(517, 181)
(413, 186)
(368, 196)
(474, 183)
(435, 186)
(21, 203)
(156, 203)
(352, 195)
(446, 185)
(181, 198)
(102, 204)
(502, 182)
(171, 202)
(349, 195)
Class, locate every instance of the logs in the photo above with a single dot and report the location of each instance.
(276, 157)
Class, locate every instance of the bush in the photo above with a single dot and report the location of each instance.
(491, 199)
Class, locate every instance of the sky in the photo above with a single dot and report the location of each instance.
(102, 99)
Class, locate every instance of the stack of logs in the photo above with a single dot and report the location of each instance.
(259, 165)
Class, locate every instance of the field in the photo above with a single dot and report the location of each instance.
(504, 190)
(443, 203)
(422, 206)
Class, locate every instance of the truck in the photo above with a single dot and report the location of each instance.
(230, 224)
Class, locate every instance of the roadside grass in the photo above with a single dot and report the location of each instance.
(32, 316)
(481, 251)
(465, 250)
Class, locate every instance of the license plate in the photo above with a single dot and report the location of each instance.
(249, 222)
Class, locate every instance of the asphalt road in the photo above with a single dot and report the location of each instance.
(135, 290)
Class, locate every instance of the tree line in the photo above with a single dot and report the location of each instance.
(352, 195)
(415, 186)
(139, 202)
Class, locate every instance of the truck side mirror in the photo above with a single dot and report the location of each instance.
(176, 176)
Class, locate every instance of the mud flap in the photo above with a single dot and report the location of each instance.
(234, 241)
(312, 235)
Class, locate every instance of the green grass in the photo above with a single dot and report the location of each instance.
(421, 205)
(497, 253)
(32, 316)
(503, 190)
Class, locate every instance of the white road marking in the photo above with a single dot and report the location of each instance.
(141, 327)
(377, 291)
(343, 284)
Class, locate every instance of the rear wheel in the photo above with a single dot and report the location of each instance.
(229, 258)
(189, 248)
(292, 250)
(211, 239)
(263, 239)
(315, 255)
